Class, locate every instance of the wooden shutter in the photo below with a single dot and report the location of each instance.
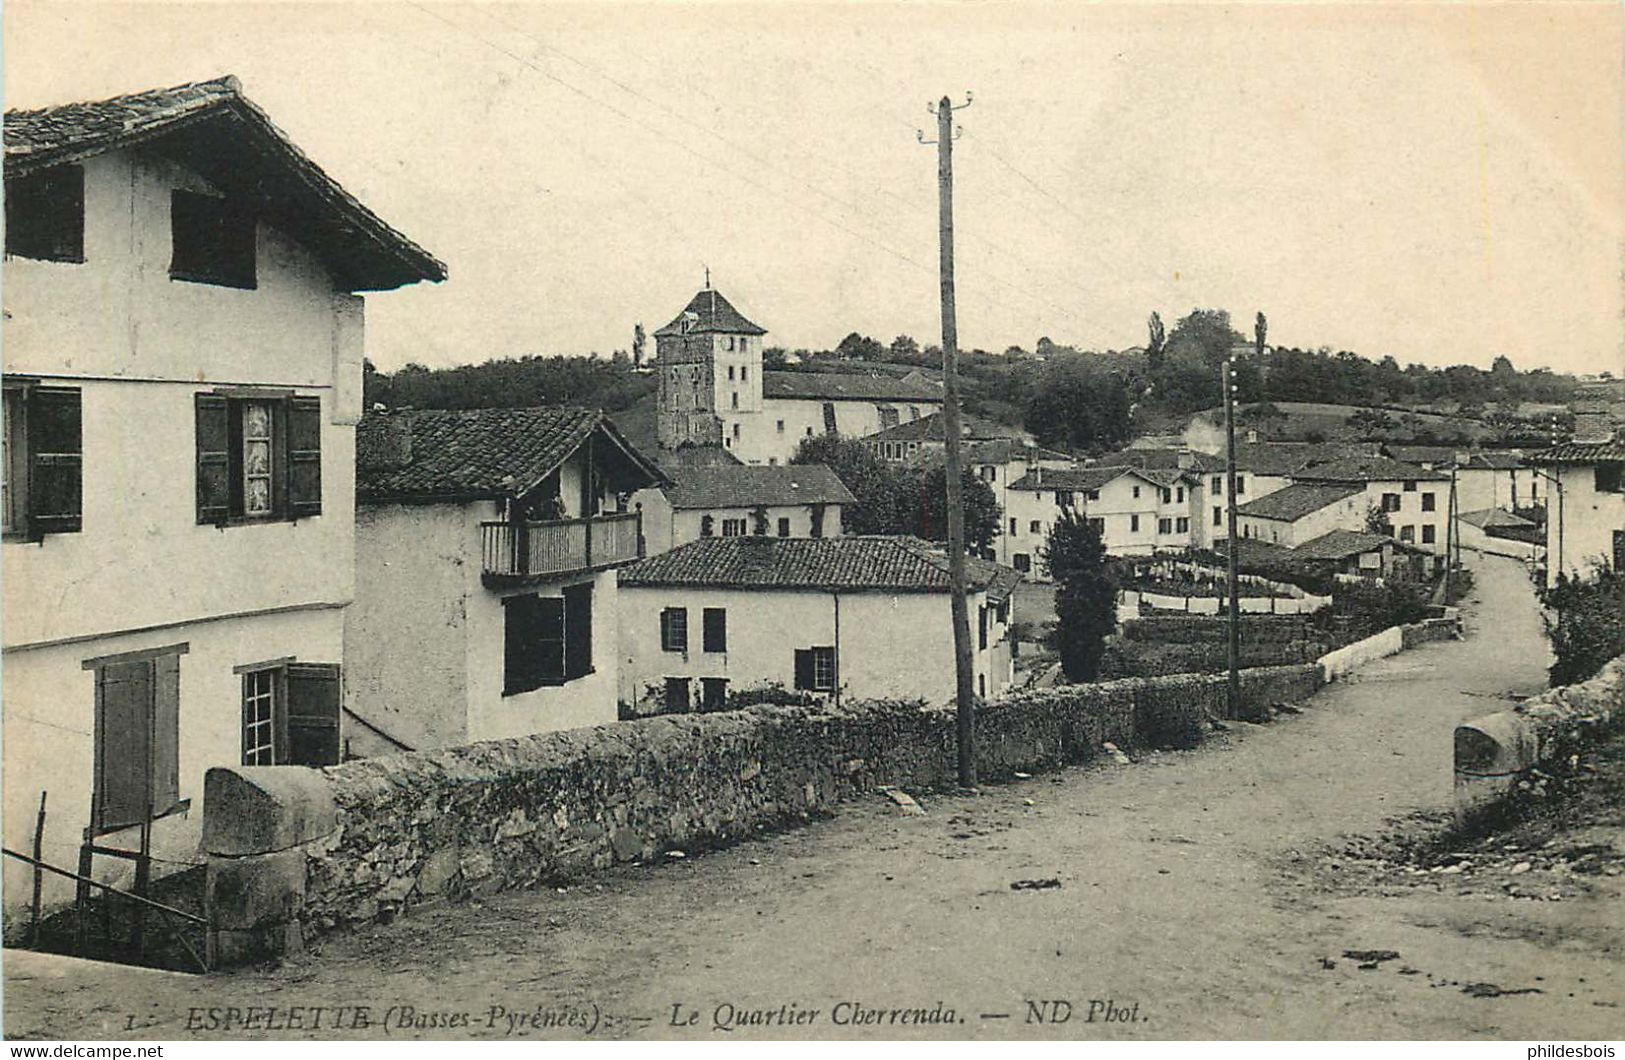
(547, 645)
(124, 702)
(305, 456)
(166, 734)
(829, 417)
(312, 725)
(213, 415)
(55, 461)
(806, 673)
(714, 634)
(577, 631)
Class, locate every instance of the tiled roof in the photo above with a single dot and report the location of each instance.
(1341, 544)
(708, 311)
(218, 132)
(1165, 459)
(1283, 458)
(1004, 450)
(465, 454)
(929, 428)
(1494, 461)
(878, 563)
(756, 485)
(1487, 517)
(1366, 469)
(1293, 502)
(1070, 478)
(1611, 452)
(828, 386)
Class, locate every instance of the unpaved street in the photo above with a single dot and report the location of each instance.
(1206, 888)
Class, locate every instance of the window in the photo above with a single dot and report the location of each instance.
(713, 693)
(547, 639)
(1167, 495)
(1134, 524)
(733, 528)
(212, 241)
(1390, 502)
(1410, 486)
(781, 427)
(1182, 525)
(1022, 562)
(888, 417)
(1012, 526)
(784, 526)
(744, 372)
(290, 714)
(1092, 495)
(809, 432)
(1035, 527)
(1063, 498)
(1241, 484)
(674, 629)
(1180, 498)
(817, 527)
(258, 457)
(1098, 525)
(676, 695)
(41, 465)
(1607, 479)
(708, 525)
(815, 669)
(1428, 502)
(1136, 492)
(1218, 516)
(714, 629)
(1218, 485)
(1429, 533)
(990, 473)
(733, 400)
(136, 771)
(981, 628)
(1165, 526)
(730, 367)
(730, 346)
(1407, 532)
(45, 215)
(772, 461)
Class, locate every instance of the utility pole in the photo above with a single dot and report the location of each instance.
(1233, 654)
(964, 681)
(1451, 536)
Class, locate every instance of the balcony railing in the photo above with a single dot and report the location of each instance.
(514, 551)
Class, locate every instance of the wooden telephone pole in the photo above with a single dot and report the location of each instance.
(964, 680)
(1233, 610)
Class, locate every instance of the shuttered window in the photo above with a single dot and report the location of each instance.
(714, 633)
(815, 669)
(713, 693)
(258, 457)
(533, 643)
(676, 695)
(43, 461)
(137, 741)
(45, 215)
(291, 714)
(577, 631)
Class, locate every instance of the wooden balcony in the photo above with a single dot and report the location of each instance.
(514, 553)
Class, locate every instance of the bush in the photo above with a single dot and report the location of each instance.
(1585, 632)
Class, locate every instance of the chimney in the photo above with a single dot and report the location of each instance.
(1187, 459)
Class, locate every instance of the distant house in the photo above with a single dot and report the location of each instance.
(1138, 511)
(714, 392)
(742, 500)
(1502, 532)
(1365, 554)
(1485, 479)
(722, 616)
(1415, 499)
(1586, 525)
(924, 439)
(487, 543)
(183, 348)
(1302, 512)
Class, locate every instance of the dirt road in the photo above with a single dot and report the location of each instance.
(1199, 894)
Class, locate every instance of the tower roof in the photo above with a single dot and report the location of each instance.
(708, 311)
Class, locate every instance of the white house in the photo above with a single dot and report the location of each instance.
(1302, 512)
(855, 617)
(792, 500)
(714, 392)
(1138, 511)
(1416, 500)
(487, 542)
(183, 343)
(1585, 523)
(1485, 479)
(924, 439)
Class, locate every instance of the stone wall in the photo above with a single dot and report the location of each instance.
(424, 826)
(1499, 755)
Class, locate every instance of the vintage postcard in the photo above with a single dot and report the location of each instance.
(716, 521)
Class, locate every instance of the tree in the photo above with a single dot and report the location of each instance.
(1261, 328)
(1376, 522)
(638, 342)
(774, 358)
(869, 478)
(1085, 597)
(1156, 338)
(1585, 633)
(857, 347)
(1207, 333)
(1371, 423)
(927, 515)
(904, 346)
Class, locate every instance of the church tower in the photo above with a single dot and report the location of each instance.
(709, 363)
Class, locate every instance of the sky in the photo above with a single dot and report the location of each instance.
(1443, 184)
